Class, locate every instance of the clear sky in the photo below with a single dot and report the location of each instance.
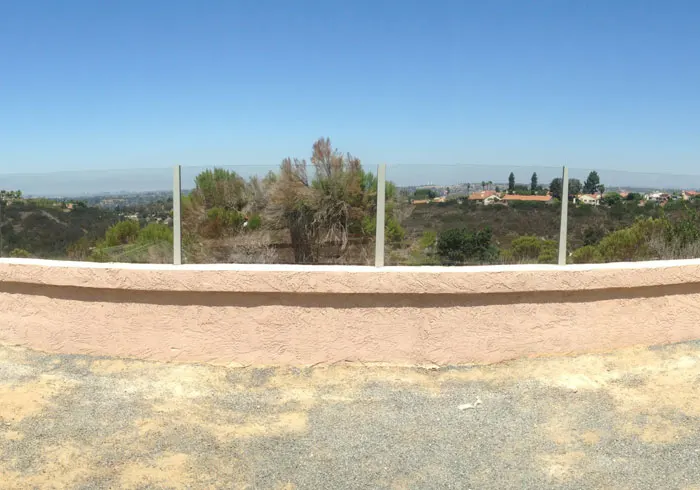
(603, 84)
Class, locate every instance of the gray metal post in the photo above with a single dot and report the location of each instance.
(177, 219)
(381, 206)
(563, 227)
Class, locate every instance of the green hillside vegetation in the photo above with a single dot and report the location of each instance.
(127, 241)
(44, 230)
(324, 212)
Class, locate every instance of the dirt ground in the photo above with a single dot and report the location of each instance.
(625, 420)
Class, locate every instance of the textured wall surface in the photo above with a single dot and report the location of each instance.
(304, 315)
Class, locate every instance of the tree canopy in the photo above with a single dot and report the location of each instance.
(592, 183)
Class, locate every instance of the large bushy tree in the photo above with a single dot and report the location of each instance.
(592, 183)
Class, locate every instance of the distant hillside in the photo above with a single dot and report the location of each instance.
(48, 231)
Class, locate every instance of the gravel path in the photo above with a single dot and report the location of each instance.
(625, 420)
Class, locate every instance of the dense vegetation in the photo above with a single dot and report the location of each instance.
(528, 232)
(324, 211)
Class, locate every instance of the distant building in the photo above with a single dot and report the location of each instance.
(495, 199)
(659, 197)
(514, 197)
(590, 199)
(481, 195)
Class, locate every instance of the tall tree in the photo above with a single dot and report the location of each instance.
(533, 183)
(574, 187)
(555, 188)
(511, 183)
(483, 185)
(592, 184)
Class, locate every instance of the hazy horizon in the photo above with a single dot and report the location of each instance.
(86, 183)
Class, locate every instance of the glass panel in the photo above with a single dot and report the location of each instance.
(471, 214)
(106, 216)
(285, 214)
(627, 216)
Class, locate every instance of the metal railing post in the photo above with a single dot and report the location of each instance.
(563, 227)
(177, 219)
(381, 206)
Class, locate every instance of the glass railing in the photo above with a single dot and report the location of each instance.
(471, 214)
(293, 213)
(326, 213)
(104, 216)
(619, 216)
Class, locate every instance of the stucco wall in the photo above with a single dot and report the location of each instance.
(305, 315)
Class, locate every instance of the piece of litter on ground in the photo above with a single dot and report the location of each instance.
(467, 406)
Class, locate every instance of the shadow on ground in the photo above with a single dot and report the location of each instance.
(625, 420)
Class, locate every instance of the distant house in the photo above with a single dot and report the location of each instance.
(420, 201)
(660, 197)
(590, 199)
(689, 195)
(440, 199)
(495, 199)
(514, 197)
(481, 196)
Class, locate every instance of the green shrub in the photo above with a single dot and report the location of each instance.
(631, 243)
(427, 240)
(393, 231)
(122, 233)
(155, 233)
(100, 255)
(221, 221)
(526, 247)
(369, 225)
(686, 229)
(20, 253)
(548, 256)
(612, 199)
(459, 245)
(506, 256)
(592, 235)
(529, 248)
(581, 211)
(254, 222)
(588, 254)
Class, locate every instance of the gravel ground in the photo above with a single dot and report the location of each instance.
(624, 420)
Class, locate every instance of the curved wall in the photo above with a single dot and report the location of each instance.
(305, 315)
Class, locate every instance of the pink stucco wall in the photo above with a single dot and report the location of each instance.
(305, 315)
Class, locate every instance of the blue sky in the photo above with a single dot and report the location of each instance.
(146, 84)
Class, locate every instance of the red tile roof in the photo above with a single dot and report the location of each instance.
(515, 197)
(480, 196)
